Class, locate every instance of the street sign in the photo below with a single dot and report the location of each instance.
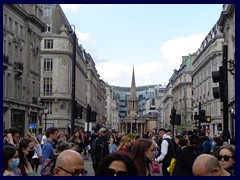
(32, 126)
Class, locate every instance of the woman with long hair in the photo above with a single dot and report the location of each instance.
(226, 157)
(10, 161)
(124, 145)
(78, 141)
(37, 157)
(25, 153)
(143, 156)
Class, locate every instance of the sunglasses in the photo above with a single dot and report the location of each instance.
(83, 172)
(112, 172)
(225, 157)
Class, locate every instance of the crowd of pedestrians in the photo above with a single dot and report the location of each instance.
(117, 154)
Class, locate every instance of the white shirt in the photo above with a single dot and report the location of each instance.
(164, 148)
(44, 138)
(38, 151)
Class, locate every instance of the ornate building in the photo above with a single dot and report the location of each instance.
(134, 122)
(22, 28)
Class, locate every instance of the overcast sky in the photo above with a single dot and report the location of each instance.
(151, 37)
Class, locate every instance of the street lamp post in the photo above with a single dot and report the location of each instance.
(73, 80)
(135, 118)
(45, 111)
(233, 122)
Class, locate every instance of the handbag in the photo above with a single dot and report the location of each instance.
(172, 165)
(156, 167)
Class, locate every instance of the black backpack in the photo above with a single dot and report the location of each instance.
(48, 167)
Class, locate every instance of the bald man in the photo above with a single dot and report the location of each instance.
(208, 165)
(69, 163)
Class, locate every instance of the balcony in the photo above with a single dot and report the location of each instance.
(18, 68)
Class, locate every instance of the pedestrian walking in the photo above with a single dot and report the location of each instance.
(48, 152)
(143, 156)
(37, 157)
(208, 165)
(25, 153)
(69, 163)
(167, 151)
(226, 157)
(10, 161)
(99, 148)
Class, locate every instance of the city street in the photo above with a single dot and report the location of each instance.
(87, 165)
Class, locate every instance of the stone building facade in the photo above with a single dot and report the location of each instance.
(209, 58)
(22, 28)
(56, 79)
(227, 25)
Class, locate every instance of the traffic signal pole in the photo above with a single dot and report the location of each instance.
(73, 83)
(225, 133)
(199, 121)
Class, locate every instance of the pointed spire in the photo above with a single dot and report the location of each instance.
(133, 93)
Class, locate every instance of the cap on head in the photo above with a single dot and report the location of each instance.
(102, 130)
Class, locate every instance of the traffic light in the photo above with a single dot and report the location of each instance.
(173, 116)
(202, 115)
(178, 120)
(208, 119)
(195, 117)
(217, 77)
(221, 78)
(94, 114)
(89, 113)
(77, 110)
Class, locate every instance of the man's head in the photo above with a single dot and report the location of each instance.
(102, 131)
(169, 132)
(15, 134)
(52, 133)
(208, 165)
(69, 163)
(161, 132)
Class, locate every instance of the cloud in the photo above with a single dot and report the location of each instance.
(119, 74)
(150, 72)
(173, 50)
(72, 7)
(84, 38)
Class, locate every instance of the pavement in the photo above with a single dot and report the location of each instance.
(88, 167)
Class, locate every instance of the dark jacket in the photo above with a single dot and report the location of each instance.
(99, 150)
(184, 162)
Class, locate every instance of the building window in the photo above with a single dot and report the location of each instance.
(48, 105)
(48, 44)
(5, 20)
(48, 27)
(48, 64)
(46, 11)
(47, 86)
(16, 28)
(21, 32)
(153, 102)
(10, 25)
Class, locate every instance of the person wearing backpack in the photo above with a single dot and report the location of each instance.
(167, 151)
(48, 152)
(204, 144)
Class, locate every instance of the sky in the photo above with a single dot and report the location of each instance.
(152, 38)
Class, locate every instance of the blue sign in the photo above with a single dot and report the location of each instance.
(32, 126)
